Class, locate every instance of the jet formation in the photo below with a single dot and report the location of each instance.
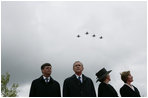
(93, 35)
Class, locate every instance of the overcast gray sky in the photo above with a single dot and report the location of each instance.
(34, 33)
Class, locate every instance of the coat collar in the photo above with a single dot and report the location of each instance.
(42, 79)
(131, 88)
(83, 77)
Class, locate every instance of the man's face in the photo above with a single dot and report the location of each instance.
(47, 70)
(78, 67)
(130, 78)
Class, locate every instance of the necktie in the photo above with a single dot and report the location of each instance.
(79, 78)
(46, 80)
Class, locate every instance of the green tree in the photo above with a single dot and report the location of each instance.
(5, 91)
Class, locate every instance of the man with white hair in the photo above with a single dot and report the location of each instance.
(78, 85)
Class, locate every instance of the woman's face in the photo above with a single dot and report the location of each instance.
(130, 78)
(108, 77)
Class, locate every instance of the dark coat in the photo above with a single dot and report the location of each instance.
(126, 91)
(41, 89)
(106, 90)
(74, 88)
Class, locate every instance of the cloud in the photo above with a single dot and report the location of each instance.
(37, 32)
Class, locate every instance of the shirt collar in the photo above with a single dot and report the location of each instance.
(131, 86)
(46, 77)
(78, 76)
(127, 84)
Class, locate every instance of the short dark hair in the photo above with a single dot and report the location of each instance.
(45, 64)
(124, 76)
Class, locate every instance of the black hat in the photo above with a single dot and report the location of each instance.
(101, 74)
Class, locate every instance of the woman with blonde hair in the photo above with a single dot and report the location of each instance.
(128, 90)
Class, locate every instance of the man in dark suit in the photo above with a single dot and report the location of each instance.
(105, 89)
(45, 86)
(128, 90)
(78, 85)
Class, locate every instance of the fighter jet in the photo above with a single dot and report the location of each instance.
(101, 37)
(94, 35)
(78, 36)
(86, 33)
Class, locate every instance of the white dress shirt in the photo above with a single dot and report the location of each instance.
(45, 78)
(80, 78)
(131, 86)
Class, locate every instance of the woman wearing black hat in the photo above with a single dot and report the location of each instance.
(105, 89)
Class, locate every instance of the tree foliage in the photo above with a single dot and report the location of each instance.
(5, 91)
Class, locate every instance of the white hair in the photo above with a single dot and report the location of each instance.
(77, 62)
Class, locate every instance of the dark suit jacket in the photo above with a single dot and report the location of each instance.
(74, 88)
(126, 91)
(106, 90)
(41, 89)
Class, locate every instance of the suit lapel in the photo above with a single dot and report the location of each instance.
(77, 81)
(84, 78)
(43, 81)
(75, 78)
(130, 89)
(136, 90)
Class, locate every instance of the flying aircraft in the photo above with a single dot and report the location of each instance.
(78, 36)
(86, 33)
(94, 35)
(101, 37)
